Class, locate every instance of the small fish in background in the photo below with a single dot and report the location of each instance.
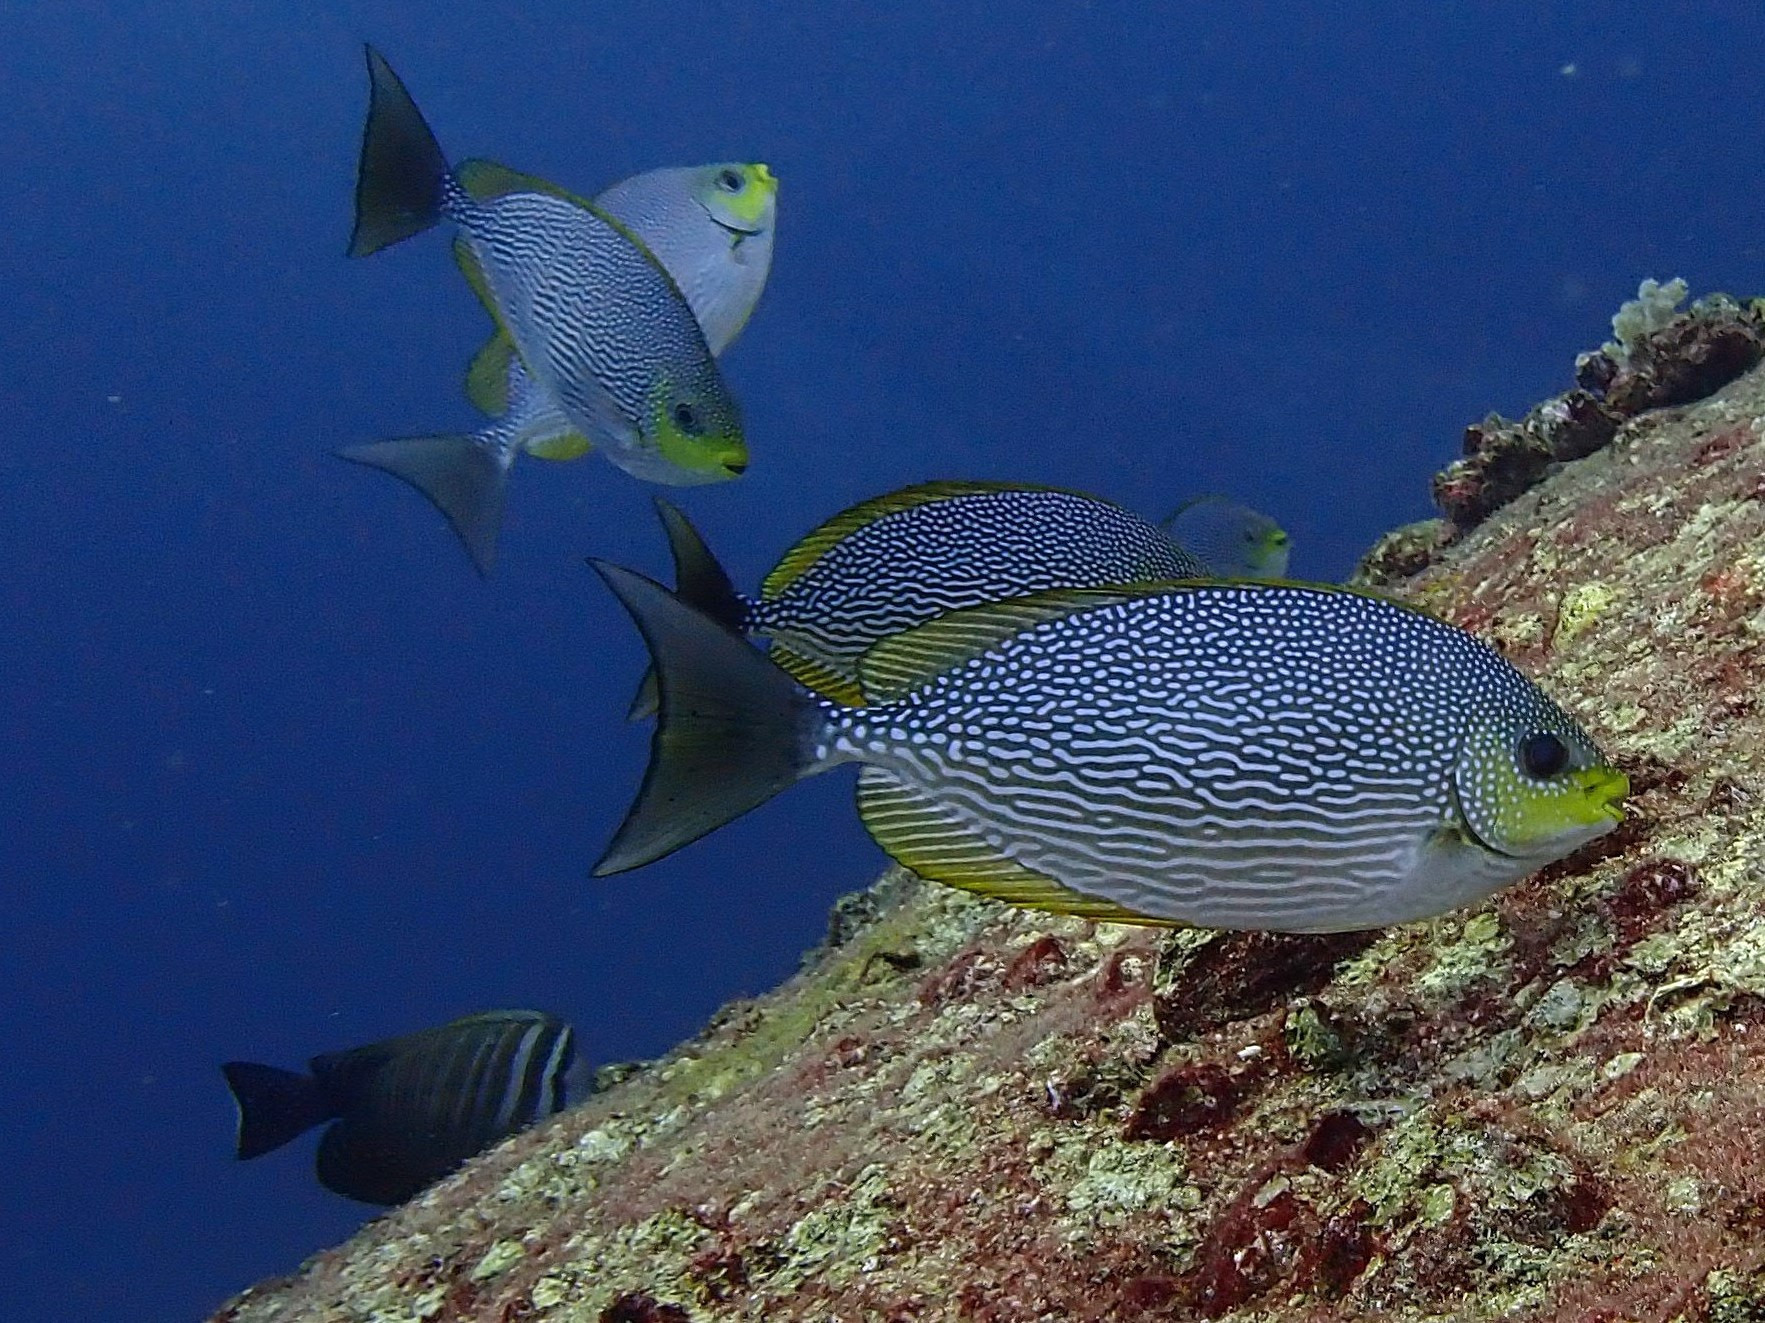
(1234, 541)
(896, 561)
(1240, 755)
(599, 325)
(712, 228)
(407, 1111)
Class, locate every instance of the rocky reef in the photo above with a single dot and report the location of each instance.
(1550, 1107)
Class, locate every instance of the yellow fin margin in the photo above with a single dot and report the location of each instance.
(812, 548)
(818, 677)
(923, 837)
(484, 181)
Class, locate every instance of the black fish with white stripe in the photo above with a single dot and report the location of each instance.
(406, 1111)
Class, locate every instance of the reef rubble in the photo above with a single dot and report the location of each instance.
(1549, 1107)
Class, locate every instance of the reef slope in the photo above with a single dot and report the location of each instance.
(1550, 1107)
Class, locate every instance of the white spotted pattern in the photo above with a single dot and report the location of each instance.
(1245, 756)
(913, 565)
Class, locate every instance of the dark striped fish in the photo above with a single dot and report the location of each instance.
(899, 560)
(596, 319)
(407, 1111)
(1230, 755)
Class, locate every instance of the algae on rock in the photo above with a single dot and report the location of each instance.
(1549, 1107)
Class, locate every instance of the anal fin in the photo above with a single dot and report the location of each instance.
(818, 676)
(928, 840)
(462, 476)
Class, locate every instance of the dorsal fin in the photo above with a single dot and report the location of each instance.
(799, 558)
(487, 379)
(485, 181)
(930, 841)
(905, 661)
(469, 266)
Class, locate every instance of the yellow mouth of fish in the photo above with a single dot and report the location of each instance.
(1592, 805)
(765, 187)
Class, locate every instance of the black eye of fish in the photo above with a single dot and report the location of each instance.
(1542, 754)
(729, 181)
(686, 418)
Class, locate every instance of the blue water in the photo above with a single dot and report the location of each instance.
(282, 775)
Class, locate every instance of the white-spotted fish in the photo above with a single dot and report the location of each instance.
(1234, 541)
(407, 1111)
(595, 319)
(896, 561)
(1229, 754)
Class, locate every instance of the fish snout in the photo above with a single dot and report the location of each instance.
(1606, 789)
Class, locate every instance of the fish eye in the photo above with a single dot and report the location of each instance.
(730, 181)
(686, 418)
(1542, 754)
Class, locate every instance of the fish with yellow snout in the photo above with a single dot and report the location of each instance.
(1283, 757)
(597, 345)
(1235, 541)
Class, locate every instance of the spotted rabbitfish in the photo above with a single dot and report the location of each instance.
(899, 560)
(596, 320)
(710, 226)
(1224, 754)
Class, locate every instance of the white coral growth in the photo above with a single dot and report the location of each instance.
(1654, 306)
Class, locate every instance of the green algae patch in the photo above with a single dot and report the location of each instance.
(1108, 1183)
(1581, 607)
(843, 1237)
(926, 927)
(502, 1256)
(1313, 1041)
(1473, 957)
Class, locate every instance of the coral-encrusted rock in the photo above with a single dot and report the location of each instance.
(1693, 356)
(1684, 358)
(1503, 459)
(1549, 1107)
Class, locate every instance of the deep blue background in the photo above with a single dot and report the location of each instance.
(281, 775)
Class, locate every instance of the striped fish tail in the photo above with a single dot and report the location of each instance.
(403, 182)
(702, 583)
(732, 729)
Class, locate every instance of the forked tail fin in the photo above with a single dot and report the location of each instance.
(463, 478)
(275, 1105)
(402, 180)
(731, 732)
